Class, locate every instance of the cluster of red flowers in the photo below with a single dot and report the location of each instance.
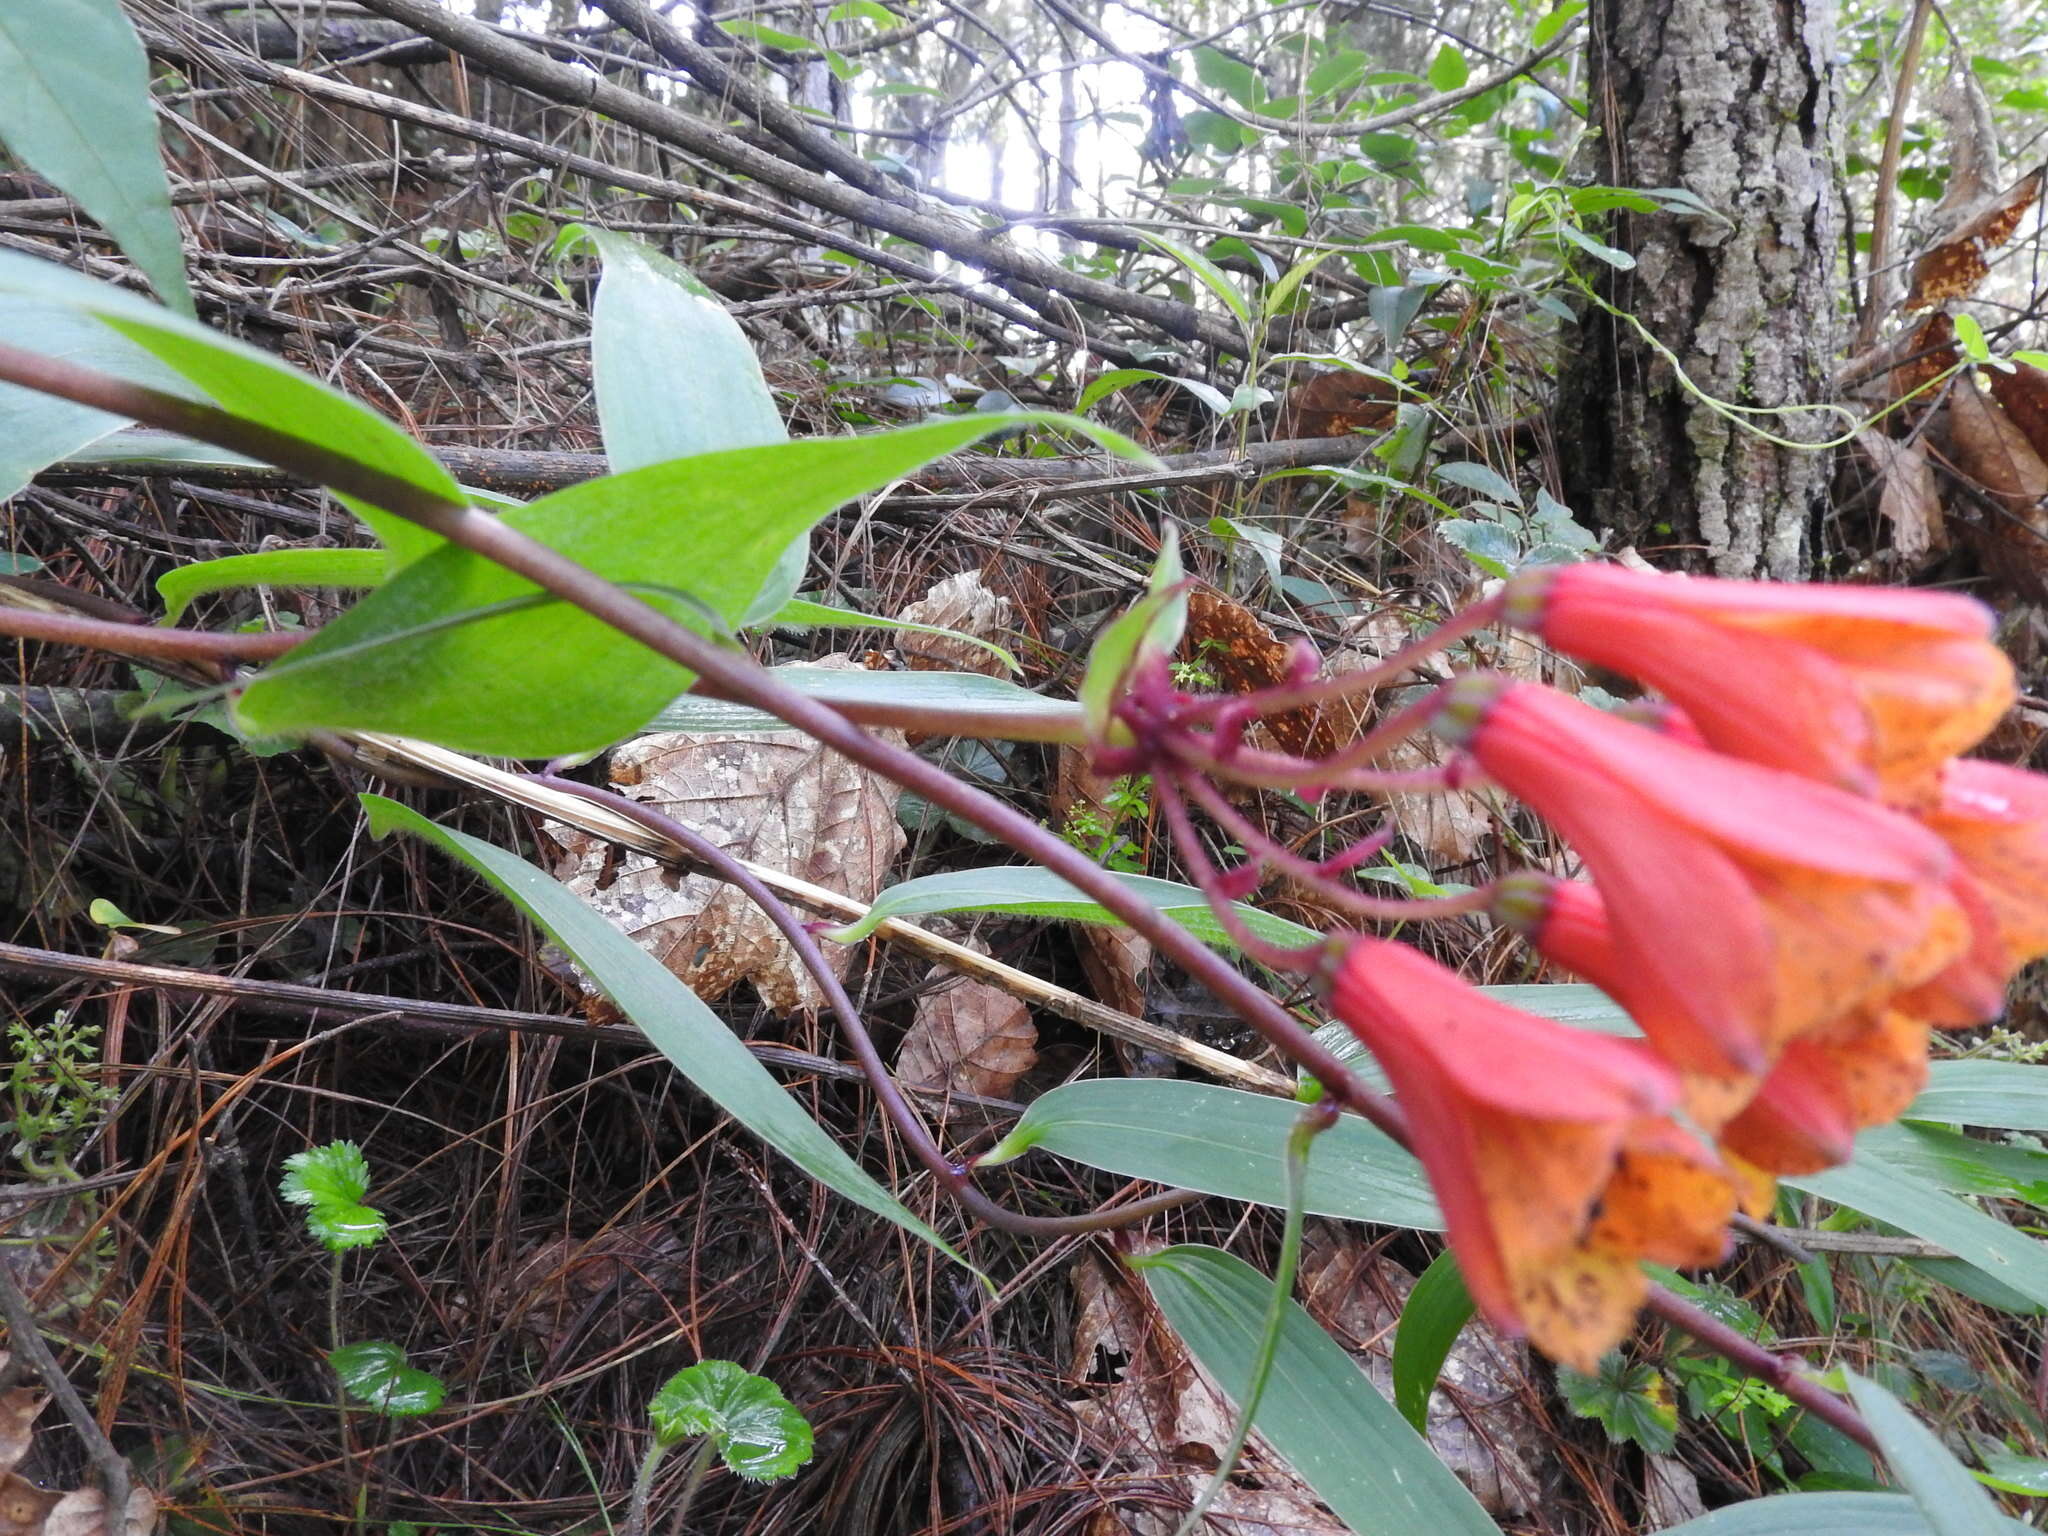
(1792, 876)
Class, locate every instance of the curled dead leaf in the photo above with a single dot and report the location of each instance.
(2021, 391)
(1989, 447)
(959, 602)
(26, 1510)
(1336, 404)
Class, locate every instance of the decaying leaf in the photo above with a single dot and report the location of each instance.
(969, 1037)
(1480, 1418)
(1954, 265)
(775, 798)
(1141, 1394)
(1989, 447)
(83, 1512)
(1923, 355)
(18, 1409)
(1907, 497)
(2022, 393)
(959, 602)
(1451, 827)
(630, 1271)
(26, 1510)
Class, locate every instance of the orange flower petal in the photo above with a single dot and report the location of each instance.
(1582, 1306)
(1861, 1071)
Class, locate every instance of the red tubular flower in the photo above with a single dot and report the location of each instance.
(1746, 905)
(1869, 688)
(1545, 1146)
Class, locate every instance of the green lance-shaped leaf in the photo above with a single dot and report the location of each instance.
(757, 1432)
(1822, 1514)
(1150, 628)
(675, 377)
(179, 586)
(1222, 1141)
(673, 1018)
(76, 107)
(1008, 711)
(1436, 1312)
(1025, 890)
(237, 377)
(1949, 1498)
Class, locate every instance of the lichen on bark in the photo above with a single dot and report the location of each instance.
(1734, 101)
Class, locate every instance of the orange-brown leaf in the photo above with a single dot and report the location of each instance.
(1335, 404)
(2023, 395)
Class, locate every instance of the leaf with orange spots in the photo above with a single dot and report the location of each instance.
(1229, 640)
(1953, 268)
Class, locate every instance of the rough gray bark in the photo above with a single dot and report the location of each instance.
(1733, 100)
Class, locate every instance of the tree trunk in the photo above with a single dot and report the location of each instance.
(1734, 101)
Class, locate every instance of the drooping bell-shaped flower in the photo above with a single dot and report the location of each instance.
(1745, 905)
(1547, 1147)
(1869, 688)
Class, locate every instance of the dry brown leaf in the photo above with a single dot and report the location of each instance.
(25, 1509)
(84, 1513)
(1990, 448)
(1923, 355)
(1954, 266)
(630, 1270)
(1906, 498)
(773, 797)
(18, 1409)
(1451, 826)
(968, 1037)
(959, 602)
(1902, 366)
